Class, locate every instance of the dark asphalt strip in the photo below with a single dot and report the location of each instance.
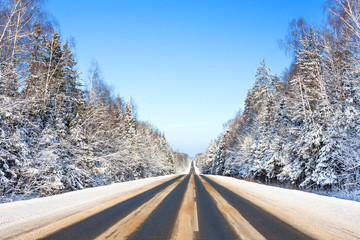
(266, 224)
(212, 224)
(161, 222)
(93, 226)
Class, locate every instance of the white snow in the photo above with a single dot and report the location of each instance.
(197, 170)
(21, 216)
(187, 170)
(304, 210)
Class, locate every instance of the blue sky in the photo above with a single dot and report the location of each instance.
(187, 64)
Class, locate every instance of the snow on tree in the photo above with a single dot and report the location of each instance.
(129, 123)
(205, 161)
(54, 136)
(302, 130)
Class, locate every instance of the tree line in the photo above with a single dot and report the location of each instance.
(57, 134)
(301, 129)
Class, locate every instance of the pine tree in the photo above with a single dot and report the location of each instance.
(129, 122)
(222, 150)
(261, 86)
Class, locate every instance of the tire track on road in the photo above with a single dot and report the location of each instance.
(265, 223)
(97, 224)
(135, 219)
(186, 207)
(212, 223)
(241, 226)
(161, 221)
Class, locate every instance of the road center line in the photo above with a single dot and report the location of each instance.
(196, 221)
(187, 220)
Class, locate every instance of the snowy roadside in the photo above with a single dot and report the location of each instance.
(23, 216)
(187, 170)
(327, 217)
(197, 170)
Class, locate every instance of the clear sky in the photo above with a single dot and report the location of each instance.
(188, 64)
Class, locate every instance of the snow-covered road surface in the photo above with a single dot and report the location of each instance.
(163, 207)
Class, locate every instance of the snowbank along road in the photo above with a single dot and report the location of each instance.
(187, 206)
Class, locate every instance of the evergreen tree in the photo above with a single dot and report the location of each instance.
(129, 122)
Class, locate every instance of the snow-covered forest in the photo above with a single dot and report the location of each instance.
(58, 134)
(301, 129)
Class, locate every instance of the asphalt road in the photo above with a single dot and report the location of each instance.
(161, 221)
(266, 224)
(212, 224)
(91, 227)
(174, 209)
